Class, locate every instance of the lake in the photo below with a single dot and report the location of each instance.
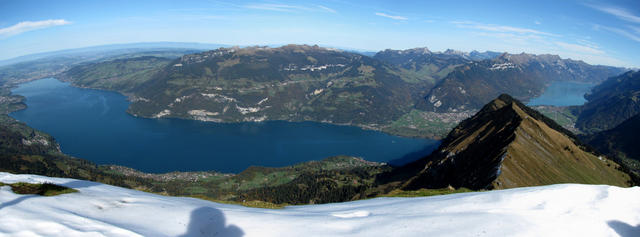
(93, 124)
(563, 93)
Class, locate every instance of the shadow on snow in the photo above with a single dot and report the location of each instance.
(208, 221)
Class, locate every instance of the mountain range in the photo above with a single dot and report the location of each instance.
(523, 76)
(288, 83)
(504, 145)
(414, 92)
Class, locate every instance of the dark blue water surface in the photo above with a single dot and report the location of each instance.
(93, 125)
(563, 93)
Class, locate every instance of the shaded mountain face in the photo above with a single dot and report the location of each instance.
(294, 82)
(506, 145)
(422, 65)
(524, 76)
(620, 142)
(477, 56)
(610, 103)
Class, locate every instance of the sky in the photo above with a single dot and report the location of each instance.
(597, 32)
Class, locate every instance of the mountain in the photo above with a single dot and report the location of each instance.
(300, 83)
(420, 64)
(54, 64)
(524, 76)
(113, 49)
(293, 82)
(478, 56)
(620, 142)
(507, 145)
(116, 75)
(610, 103)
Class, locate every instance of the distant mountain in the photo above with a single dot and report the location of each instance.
(293, 82)
(610, 103)
(524, 76)
(420, 64)
(52, 64)
(112, 49)
(477, 56)
(620, 141)
(117, 75)
(506, 145)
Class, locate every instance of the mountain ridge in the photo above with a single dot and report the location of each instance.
(506, 145)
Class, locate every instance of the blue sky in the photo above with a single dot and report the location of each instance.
(598, 32)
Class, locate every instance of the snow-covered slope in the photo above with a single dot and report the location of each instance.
(98, 209)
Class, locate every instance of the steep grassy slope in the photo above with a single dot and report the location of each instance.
(611, 103)
(508, 145)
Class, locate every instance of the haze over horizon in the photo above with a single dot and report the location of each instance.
(597, 32)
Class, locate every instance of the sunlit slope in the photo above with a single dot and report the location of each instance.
(508, 145)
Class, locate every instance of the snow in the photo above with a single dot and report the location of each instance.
(103, 210)
(502, 66)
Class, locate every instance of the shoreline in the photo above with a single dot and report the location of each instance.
(132, 98)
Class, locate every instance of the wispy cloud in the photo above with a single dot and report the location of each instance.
(326, 9)
(400, 18)
(579, 48)
(537, 22)
(630, 31)
(498, 28)
(622, 32)
(29, 26)
(289, 8)
(276, 7)
(617, 12)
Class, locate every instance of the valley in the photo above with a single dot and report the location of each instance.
(311, 83)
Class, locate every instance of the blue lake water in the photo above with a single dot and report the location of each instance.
(563, 93)
(93, 125)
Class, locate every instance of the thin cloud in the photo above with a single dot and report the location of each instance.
(289, 8)
(621, 32)
(579, 48)
(26, 26)
(498, 28)
(617, 12)
(400, 18)
(276, 7)
(326, 9)
(537, 22)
